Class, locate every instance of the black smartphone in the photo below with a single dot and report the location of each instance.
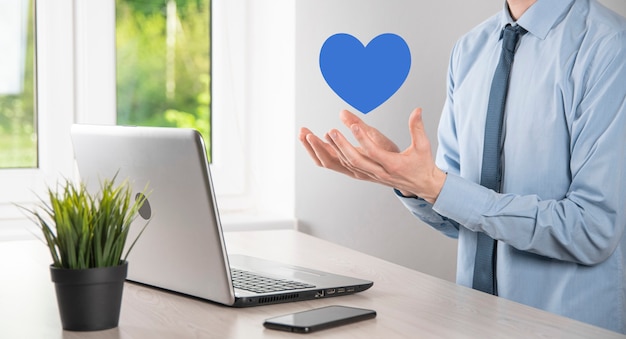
(318, 318)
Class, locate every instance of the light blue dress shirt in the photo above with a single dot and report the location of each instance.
(560, 218)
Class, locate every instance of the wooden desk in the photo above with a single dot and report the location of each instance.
(409, 304)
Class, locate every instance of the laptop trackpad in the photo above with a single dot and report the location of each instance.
(271, 268)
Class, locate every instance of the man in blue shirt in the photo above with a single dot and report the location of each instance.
(560, 216)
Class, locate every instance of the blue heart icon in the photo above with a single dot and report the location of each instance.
(365, 76)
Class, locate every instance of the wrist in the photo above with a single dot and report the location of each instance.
(434, 186)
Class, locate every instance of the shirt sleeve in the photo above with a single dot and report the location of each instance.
(586, 225)
(423, 210)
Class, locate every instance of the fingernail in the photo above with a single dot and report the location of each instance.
(355, 128)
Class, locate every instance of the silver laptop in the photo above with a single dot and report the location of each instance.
(182, 249)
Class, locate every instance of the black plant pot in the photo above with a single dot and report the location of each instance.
(89, 299)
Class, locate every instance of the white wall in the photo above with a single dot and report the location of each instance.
(362, 215)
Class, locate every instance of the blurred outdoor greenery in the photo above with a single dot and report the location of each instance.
(18, 136)
(163, 64)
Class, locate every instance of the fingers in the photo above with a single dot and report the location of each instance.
(323, 154)
(376, 147)
(340, 155)
(337, 153)
(348, 118)
(369, 147)
(304, 136)
(357, 161)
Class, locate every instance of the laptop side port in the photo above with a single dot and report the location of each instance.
(320, 294)
(331, 291)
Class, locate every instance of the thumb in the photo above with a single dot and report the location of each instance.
(417, 130)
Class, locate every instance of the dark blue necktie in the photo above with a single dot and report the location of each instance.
(491, 174)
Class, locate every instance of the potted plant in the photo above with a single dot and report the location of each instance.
(86, 236)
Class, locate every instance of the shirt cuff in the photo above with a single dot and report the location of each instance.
(398, 193)
(463, 201)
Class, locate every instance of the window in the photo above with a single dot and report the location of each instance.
(99, 98)
(251, 100)
(48, 63)
(18, 135)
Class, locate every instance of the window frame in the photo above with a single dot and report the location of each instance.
(76, 84)
(55, 107)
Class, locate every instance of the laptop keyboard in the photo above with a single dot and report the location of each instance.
(253, 282)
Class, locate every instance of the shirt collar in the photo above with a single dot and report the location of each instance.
(539, 18)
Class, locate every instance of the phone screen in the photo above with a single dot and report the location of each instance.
(319, 318)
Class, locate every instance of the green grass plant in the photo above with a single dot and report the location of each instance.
(87, 231)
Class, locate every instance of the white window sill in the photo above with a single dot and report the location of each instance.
(18, 229)
(24, 229)
(256, 222)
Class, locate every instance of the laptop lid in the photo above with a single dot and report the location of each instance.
(183, 248)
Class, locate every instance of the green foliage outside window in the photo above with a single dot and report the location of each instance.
(18, 130)
(163, 64)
